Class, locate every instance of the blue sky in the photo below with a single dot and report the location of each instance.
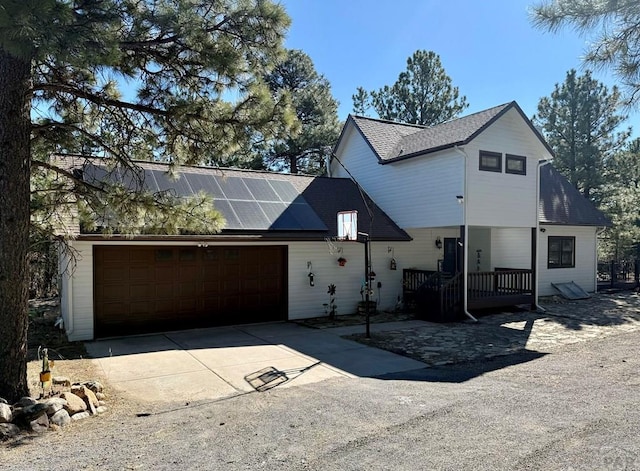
(489, 48)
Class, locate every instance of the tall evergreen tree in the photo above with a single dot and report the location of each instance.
(580, 121)
(617, 40)
(361, 102)
(423, 94)
(316, 111)
(129, 79)
(622, 200)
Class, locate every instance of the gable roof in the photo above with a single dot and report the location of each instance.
(259, 203)
(561, 203)
(391, 141)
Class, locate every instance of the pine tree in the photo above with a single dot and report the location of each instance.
(616, 42)
(178, 82)
(580, 121)
(423, 94)
(316, 111)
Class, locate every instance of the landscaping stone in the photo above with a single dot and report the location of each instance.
(100, 396)
(55, 404)
(95, 386)
(30, 413)
(8, 431)
(25, 401)
(101, 410)
(60, 418)
(80, 416)
(87, 395)
(40, 424)
(75, 404)
(61, 381)
(5, 413)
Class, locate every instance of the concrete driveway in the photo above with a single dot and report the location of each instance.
(206, 364)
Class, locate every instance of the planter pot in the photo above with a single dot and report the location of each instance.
(362, 307)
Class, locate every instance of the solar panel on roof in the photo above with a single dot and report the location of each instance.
(234, 188)
(205, 183)
(261, 189)
(279, 216)
(232, 221)
(250, 214)
(165, 182)
(285, 190)
(246, 203)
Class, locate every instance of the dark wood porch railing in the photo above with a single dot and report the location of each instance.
(442, 295)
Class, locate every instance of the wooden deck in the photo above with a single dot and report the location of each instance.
(440, 296)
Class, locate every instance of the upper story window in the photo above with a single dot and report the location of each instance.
(516, 164)
(490, 161)
(562, 252)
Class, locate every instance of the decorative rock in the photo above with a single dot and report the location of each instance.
(62, 381)
(95, 386)
(25, 401)
(40, 424)
(80, 416)
(101, 409)
(5, 413)
(8, 430)
(102, 403)
(74, 403)
(86, 394)
(61, 418)
(100, 396)
(30, 413)
(55, 404)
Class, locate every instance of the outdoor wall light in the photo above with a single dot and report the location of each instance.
(460, 199)
(438, 243)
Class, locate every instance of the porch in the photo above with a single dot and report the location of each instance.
(438, 296)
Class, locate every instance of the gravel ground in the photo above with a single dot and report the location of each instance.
(574, 409)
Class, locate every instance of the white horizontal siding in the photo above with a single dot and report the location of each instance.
(418, 192)
(511, 248)
(503, 199)
(584, 272)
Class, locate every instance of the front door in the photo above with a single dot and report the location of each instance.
(452, 262)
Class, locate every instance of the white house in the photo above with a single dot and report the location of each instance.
(481, 188)
(274, 260)
(461, 215)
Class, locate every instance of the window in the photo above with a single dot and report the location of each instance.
(516, 164)
(490, 161)
(562, 252)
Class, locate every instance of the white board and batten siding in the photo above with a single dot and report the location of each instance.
(418, 192)
(500, 199)
(584, 272)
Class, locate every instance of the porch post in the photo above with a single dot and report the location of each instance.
(465, 271)
(534, 268)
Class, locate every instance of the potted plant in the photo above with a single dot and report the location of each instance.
(342, 261)
(362, 304)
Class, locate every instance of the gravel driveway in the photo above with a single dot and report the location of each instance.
(576, 408)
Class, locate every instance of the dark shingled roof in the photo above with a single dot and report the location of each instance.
(264, 203)
(392, 141)
(561, 203)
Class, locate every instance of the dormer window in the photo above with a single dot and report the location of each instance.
(516, 164)
(490, 161)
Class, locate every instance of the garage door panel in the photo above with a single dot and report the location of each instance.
(145, 288)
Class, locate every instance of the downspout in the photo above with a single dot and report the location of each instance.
(465, 265)
(599, 230)
(541, 163)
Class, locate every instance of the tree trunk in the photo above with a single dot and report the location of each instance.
(15, 155)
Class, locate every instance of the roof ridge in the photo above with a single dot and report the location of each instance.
(389, 121)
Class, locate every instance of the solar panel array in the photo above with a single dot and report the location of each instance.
(249, 203)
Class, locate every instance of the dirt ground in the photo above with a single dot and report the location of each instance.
(70, 358)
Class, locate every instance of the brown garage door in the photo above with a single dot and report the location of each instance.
(151, 289)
